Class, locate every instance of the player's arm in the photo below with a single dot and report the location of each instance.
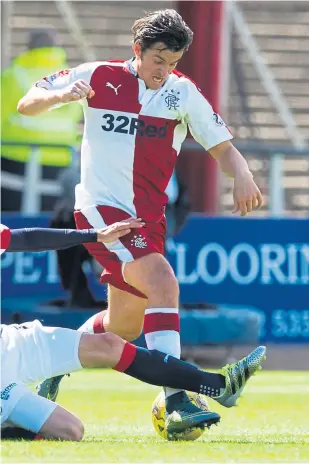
(230, 160)
(39, 239)
(208, 128)
(58, 89)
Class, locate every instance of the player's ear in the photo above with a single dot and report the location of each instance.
(137, 49)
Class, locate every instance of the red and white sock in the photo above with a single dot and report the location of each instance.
(161, 329)
(94, 324)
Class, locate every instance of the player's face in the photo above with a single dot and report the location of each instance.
(155, 64)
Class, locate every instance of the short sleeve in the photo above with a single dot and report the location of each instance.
(61, 79)
(206, 126)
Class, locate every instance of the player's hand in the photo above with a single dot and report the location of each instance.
(76, 91)
(246, 194)
(118, 229)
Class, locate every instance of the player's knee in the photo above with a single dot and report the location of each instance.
(131, 333)
(100, 350)
(109, 341)
(70, 428)
(170, 284)
(164, 286)
(75, 430)
(127, 329)
(110, 346)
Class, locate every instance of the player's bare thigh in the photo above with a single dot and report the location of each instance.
(125, 313)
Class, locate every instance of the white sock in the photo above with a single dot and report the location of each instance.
(161, 329)
(94, 324)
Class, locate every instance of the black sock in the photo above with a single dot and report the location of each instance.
(161, 369)
(16, 433)
(172, 401)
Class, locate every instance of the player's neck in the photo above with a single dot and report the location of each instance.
(134, 65)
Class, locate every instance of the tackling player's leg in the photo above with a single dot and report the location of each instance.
(237, 374)
(109, 350)
(124, 317)
(152, 367)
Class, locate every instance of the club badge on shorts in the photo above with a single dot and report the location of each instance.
(138, 241)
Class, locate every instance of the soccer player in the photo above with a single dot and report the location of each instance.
(30, 352)
(136, 117)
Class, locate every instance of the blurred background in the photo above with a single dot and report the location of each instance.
(242, 280)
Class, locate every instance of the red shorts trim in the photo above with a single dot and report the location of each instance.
(138, 243)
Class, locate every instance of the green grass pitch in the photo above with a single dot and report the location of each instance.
(271, 424)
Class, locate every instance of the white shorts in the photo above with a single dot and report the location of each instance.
(30, 353)
(21, 407)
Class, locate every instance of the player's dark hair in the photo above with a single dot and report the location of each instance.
(165, 26)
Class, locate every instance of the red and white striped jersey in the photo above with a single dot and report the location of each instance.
(132, 135)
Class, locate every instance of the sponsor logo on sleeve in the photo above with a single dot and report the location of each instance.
(50, 79)
(218, 120)
(5, 394)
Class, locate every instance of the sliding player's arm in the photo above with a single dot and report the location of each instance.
(208, 128)
(60, 88)
(39, 239)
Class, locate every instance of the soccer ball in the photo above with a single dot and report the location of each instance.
(158, 418)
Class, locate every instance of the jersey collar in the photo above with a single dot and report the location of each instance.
(129, 66)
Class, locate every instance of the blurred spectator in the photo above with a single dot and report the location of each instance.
(178, 206)
(42, 57)
(70, 260)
